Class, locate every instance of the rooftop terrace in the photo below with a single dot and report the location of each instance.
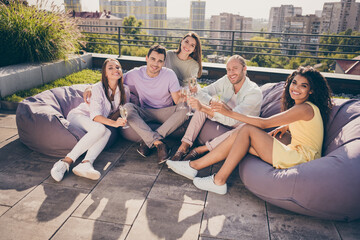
(135, 199)
(138, 199)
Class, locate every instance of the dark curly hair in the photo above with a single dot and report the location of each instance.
(105, 83)
(321, 92)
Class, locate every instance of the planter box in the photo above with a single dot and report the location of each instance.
(8, 105)
(25, 76)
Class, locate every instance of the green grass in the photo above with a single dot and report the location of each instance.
(82, 77)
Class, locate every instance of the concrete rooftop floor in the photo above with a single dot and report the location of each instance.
(135, 199)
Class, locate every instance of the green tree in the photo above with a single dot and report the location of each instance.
(97, 44)
(133, 24)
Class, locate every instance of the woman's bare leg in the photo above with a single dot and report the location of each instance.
(248, 136)
(218, 154)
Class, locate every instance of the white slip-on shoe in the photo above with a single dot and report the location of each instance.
(86, 170)
(207, 184)
(183, 168)
(59, 169)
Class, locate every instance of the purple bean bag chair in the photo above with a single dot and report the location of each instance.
(42, 125)
(328, 187)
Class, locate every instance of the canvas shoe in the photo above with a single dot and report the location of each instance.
(59, 169)
(86, 170)
(207, 184)
(183, 168)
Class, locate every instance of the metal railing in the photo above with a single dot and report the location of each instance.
(236, 42)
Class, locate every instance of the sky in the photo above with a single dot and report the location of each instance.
(248, 8)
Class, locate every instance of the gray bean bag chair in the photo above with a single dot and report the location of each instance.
(328, 187)
(42, 125)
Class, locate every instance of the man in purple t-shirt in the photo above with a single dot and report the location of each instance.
(157, 89)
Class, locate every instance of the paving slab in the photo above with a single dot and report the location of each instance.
(8, 157)
(40, 213)
(30, 166)
(117, 198)
(6, 133)
(84, 229)
(237, 215)
(14, 187)
(161, 219)
(120, 146)
(3, 209)
(284, 224)
(133, 162)
(7, 120)
(349, 230)
(13, 147)
(171, 186)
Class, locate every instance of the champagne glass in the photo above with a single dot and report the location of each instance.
(123, 114)
(192, 83)
(189, 94)
(182, 95)
(215, 99)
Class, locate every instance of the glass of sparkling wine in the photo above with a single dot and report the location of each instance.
(215, 99)
(188, 95)
(123, 114)
(192, 83)
(182, 96)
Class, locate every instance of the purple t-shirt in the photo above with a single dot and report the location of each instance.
(152, 92)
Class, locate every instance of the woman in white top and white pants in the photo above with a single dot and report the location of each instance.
(107, 96)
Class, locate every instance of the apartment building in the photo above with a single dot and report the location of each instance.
(300, 26)
(151, 12)
(197, 16)
(279, 14)
(229, 21)
(339, 16)
(72, 5)
(97, 22)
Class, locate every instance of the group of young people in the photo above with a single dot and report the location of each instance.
(152, 93)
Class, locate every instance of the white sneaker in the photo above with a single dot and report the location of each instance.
(59, 169)
(183, 168)
(86, 170)
(207, 184)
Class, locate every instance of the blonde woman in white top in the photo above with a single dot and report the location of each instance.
(107, 96)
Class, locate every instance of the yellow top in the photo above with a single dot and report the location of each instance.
(306, 142)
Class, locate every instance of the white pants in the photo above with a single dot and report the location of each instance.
(94, 141)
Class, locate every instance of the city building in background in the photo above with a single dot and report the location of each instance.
(93, 20)
(197, 16)
(301, 26)
(339, 16)
(72, 5)
(229, 21)
(151, 12)
(279, 14)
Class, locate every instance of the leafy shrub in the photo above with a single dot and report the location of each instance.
(28, 34)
